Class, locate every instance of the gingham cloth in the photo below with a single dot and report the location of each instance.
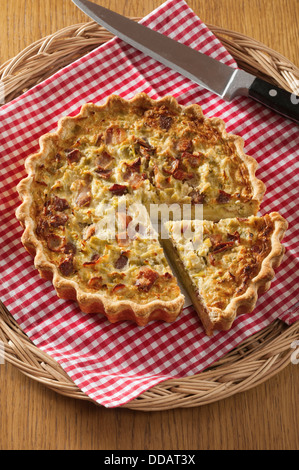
(114, 363)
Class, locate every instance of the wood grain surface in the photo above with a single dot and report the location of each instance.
(34, 417)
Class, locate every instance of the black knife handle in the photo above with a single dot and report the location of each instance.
(276, 98)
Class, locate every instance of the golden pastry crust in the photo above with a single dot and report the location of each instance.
(142, 151)
(231, 265)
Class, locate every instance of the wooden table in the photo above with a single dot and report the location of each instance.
(266, 417)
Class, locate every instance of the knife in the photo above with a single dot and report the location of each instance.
(211, 74)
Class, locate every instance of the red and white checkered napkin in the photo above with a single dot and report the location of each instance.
(115, 363)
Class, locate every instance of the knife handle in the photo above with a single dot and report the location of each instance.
(276, 98)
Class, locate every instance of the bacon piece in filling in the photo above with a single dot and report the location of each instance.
(55, 242)
(84, 192)
(132, 173)
(118, 287)
(105, 174)
(161, 181)
(115, 135)
(94, 260)
(191, 160)
(73, 156)
(171, 167)
(103, 164)
(66, 266)
(177, 170)
(146, 278)
(223, 197)
(182, 175)
(118, 189)
(234, 236)
(104, 160)
(89, 231)
(58, 204)
(69, 248)
(184, 145)
(95, 282)
(58, 220)
(121, 262)
(177, 167)
(222, 246)
(144, 148)
(197, 197)
(165, 122)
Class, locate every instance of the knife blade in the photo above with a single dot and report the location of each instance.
(224, 81)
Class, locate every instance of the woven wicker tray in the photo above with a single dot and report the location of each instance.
(254, 361)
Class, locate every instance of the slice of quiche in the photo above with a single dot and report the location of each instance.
(226, 264)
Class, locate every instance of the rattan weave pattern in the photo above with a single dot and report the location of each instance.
(254, 361)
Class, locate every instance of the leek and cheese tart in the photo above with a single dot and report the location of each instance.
(226, 264)
(85, 179)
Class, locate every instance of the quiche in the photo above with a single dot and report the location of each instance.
(96, 179)
(226, 263)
